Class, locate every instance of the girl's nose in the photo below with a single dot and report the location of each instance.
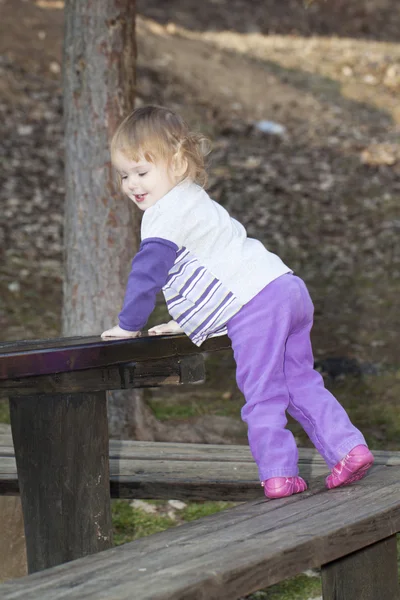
(131, 184)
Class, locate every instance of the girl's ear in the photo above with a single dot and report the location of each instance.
(179, 165)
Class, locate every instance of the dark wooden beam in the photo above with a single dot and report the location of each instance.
(368, 574)
(170, 371)
(61, 450)
(42, 357)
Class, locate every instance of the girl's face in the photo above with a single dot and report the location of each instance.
(144, 182)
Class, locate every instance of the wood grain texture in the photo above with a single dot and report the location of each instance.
(61, 448)
(158, 470)
(233, 553)
(42, 357)
(368, 574)
(170, 371)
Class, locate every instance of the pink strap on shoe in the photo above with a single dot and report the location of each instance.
(352, 467)
(280, 487)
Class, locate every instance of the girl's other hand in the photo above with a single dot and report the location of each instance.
(170, 327)
(117, 332)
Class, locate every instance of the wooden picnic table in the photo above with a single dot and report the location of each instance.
(349, 532)
(60, 436)
(58, 411)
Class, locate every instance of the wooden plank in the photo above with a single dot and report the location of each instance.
(167, 470)
(200, 473)
(61, 448)
(140, 450)
(42, 357)
(132, 450)
(170, 371)
(233, 553)
(129, 449)
(368, 574)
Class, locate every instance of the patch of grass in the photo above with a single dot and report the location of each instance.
(196, 510)
(132, 523)
(175, 405)
(165, 411)
(4, 412)
(301, 587)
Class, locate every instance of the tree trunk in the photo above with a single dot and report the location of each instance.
(101, 227)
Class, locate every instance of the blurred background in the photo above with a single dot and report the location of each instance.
(302, 105)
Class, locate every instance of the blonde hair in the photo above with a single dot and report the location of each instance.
(157, 133)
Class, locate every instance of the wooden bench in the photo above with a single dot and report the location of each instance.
(59, 425)
(165, 470)
(349, 532)
(58, 411)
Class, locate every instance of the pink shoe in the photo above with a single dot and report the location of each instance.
(351, 468)
(280, 487)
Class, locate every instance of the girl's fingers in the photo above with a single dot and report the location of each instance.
(171, 327)
(117, 332)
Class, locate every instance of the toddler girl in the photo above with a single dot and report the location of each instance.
(218, 281)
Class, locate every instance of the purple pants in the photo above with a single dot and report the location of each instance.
(275, 371)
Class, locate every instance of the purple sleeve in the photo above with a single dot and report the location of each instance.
(148, 275)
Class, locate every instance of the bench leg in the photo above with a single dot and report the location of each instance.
(61, 450)
(368, 574)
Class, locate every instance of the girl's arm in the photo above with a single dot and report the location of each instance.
(148, 276)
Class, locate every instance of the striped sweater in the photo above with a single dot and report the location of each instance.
(202, 260)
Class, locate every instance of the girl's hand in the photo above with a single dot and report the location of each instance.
(117, 332)
(170, 327)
